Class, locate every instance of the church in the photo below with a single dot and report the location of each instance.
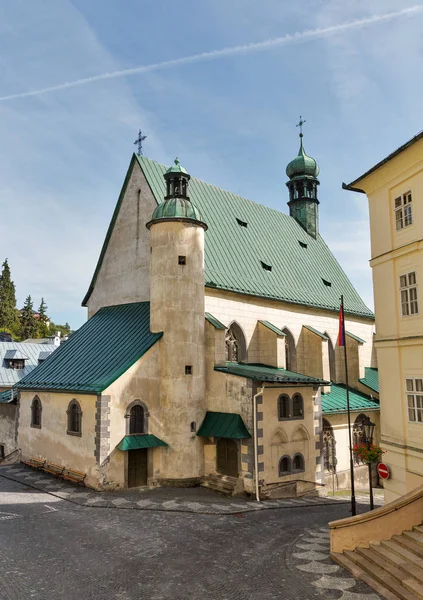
(209, 355)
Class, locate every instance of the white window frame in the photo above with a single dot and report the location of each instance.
(414, 395)
(403, 211)
(409, 294)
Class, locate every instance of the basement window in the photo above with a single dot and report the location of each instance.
(327, 283)
(188, 370)
(302, 244)
(182, 260)
(241, 223)
(266, 267)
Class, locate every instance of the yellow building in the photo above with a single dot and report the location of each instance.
(394, 188)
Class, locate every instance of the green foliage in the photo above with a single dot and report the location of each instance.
(29, 324)
(7, 299)
(43, 326)
(64, 329)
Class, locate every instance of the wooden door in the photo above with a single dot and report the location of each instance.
(137, 467)
(227, 457)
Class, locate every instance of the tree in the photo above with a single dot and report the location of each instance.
(7, 299)
(64, 329)
(29, 323)
(43, 320)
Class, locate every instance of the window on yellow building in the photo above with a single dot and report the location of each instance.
(415, 399)
(408, 285)
(403, 211)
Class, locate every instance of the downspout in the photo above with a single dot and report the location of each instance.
(256, 474)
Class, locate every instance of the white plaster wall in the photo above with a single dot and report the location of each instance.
(125, 271)
(247, 310)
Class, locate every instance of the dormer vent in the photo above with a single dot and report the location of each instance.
(327, 283)
(266, 267)
(241, 223)
(302, 244)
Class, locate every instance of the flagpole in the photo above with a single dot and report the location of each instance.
(353, 505)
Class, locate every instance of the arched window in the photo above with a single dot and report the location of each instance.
(236, 348)
(283, 407)
(36, 413)
(290, 351)
(297, 406)
(358, 435)
(331, 352)
(74, 418)
(136, 419)
(298, 463)
(329, 447)
(284, 466)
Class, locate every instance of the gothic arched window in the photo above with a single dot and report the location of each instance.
(290, 351)
(74, 418)
(136, 419)
(36, 412)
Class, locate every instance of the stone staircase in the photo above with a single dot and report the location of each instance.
(393, 568)
(229, 486)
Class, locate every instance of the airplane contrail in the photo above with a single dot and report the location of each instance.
(286, 40)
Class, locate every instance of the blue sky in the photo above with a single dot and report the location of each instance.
(230, 118)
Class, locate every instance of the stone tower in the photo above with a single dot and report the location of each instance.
(177, 309)
(303, 203)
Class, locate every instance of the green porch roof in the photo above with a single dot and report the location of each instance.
(371, 379)
(215, 322)
(265, 373)
(6, 396)
(235, 254)
(138, 442)
(272, 328)
(224, 425)
(98, 353)
(336, 400)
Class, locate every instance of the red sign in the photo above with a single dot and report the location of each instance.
(383, 471)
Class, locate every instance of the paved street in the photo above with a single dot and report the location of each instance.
(52, 548)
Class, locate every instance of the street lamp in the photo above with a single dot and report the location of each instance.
(368, 429)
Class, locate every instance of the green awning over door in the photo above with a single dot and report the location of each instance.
(223, 425)
(137, 442)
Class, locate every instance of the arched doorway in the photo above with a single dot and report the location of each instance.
(227, 457)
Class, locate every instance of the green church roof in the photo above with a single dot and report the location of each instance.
(371, 379)
(258, 372)
(245, 238)
(98, 353)
(177, 167)
(336, 400)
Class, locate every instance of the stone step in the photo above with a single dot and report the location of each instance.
(415, 536)
(220, 483)
(409, 544)
(402, 551)
(418, 528)
(391, 578)
(402, 563)
(358, 573)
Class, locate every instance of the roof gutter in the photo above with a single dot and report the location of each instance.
(350, 188)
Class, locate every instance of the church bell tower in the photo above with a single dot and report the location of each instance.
(177, 309)
(303, 203)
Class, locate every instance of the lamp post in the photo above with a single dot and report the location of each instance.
(368, 429)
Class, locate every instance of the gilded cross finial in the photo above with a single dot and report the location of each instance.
(300, 125)
(138, 142)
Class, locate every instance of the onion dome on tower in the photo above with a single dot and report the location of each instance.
(303, 203)
(177, 204)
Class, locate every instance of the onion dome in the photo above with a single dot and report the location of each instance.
(302, 165)
(177, 204)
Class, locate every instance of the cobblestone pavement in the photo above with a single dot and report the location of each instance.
(195, 500)
(53, 549)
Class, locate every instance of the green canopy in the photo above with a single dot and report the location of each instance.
(137, 442)
(224, 425)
